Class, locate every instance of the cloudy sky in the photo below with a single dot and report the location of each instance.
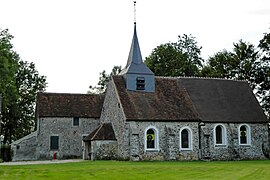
(72, 41)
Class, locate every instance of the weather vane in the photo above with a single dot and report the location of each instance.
(134, 12)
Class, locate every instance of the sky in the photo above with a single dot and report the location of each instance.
(72, 41)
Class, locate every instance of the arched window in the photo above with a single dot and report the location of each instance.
(220, 135)
(150, 143)
(185, 138)
(244, 134)
(151, 138)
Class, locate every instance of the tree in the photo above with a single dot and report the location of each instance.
(103, 81)
(244, 63)
(19, 84)
(181, 58)
(264, 46)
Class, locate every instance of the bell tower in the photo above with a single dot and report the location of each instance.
(137, 75)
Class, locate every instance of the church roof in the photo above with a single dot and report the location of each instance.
(69, 105)
(170, 102)
(135, 63)
(103, 132)
(191, 99)
(220, 100)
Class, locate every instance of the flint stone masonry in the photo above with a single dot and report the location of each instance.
(232, 150)
(104, 150)
(70, 137)
(113, 113)
(168, 140)
(25, 149)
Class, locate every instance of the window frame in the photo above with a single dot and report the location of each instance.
(248, 135)
(73, 120)
(140, 83)
(58, 142)
(156, 139)
(190, 139)
(223, 137)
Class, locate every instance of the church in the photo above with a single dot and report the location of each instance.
(145, 117)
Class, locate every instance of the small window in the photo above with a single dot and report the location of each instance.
(54, 143)
(76, 121)
(140, 83)
(220, 135)
(185, 139)
(244, 135)
(151, 139)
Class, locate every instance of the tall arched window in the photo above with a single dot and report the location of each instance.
(151, 138)
(244, 134)
(219, 135)
(150, 143)
(185, 138)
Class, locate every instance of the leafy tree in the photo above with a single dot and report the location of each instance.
(103, 81)
(264, 46)
(181, 58)
(19, 84)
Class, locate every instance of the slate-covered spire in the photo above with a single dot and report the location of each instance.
(137, 75)
(135, 63)
(135, 52)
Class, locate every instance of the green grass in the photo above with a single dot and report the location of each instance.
(140, 170)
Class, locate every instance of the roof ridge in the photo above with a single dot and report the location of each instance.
(55, 93)
(197, 77)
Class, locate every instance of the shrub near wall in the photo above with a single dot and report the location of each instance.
(6, 154)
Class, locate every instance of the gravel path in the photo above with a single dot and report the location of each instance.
(40, 162)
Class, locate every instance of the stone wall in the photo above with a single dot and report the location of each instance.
(25, 148)
(232, 150)
(70, 137)
(104, 150)
(168, 140)
(112, 112)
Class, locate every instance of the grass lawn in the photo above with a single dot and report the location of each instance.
(140, 170)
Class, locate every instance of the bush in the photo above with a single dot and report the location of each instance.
(6, 153)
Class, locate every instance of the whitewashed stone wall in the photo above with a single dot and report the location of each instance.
(232, 150)
(70, 137)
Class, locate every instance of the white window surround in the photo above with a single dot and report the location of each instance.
(189, 139)
(248, 135)
(224, 136)
(156, 148)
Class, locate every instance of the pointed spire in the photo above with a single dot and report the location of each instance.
(135, 63)
(135, 55)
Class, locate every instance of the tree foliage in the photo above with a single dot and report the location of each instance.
(181, 58)
(19, 84)
(103, 81)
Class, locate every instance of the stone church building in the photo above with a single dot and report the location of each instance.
(145, 117)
